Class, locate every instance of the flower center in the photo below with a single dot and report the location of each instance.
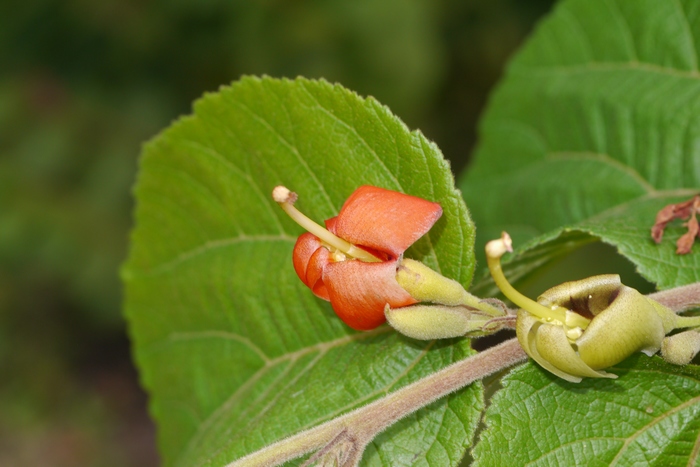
(340, 249)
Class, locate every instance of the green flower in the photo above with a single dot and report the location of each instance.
(578, 329)
(622, 322)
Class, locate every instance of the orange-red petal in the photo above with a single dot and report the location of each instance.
(304, 248)
(359, 292)
(309, 258)
(330, 223)
(314, 272)
(385, 220)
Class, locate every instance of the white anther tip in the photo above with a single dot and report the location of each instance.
(282, 194)
(497, 248)
(507, 242)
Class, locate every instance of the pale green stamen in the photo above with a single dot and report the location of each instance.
(286, 198)
(497, 248)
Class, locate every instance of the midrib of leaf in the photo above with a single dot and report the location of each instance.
(605, 159)
(604, 67)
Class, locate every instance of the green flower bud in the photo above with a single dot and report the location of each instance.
(681, 348)
(426, 285)
(427, 322)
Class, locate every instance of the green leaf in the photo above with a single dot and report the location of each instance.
(593, 129)
(234, 350)
(649, 416)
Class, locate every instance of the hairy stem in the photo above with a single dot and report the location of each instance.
(356, 429)
(679, 299)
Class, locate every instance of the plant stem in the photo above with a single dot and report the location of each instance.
(478, 304)
(680, 298)
(687, 322)
(353, 431)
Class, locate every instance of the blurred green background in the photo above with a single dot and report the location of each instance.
(83, 84)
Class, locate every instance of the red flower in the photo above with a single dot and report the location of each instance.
(382, 222)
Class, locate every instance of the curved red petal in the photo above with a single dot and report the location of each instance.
(304, 248)
(309, 259)
(330, 223)
(385, 220)
(314, 272)
(359, 292)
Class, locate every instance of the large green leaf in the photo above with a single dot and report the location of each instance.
(649, 416)
(594, 128)
(235, 352)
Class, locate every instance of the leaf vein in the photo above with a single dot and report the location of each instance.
(653, 422)
(169, 265)
(322, 347)
(265, 200)
(688, 30)
(364, 142)
(629, 37)
(610, 67)
(291, 148)
(607, 160)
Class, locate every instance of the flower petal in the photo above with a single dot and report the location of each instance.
(330, 223)
(553, 346)
(359, 291)
(314, 272)
(385, 220)
(309, 258)
(304, 248)
(630, 324)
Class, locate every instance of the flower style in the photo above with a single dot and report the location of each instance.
(353, 264)
(579, 328)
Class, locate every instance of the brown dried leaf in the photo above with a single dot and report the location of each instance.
(666, 215)
(684, 210)
(685, 243)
